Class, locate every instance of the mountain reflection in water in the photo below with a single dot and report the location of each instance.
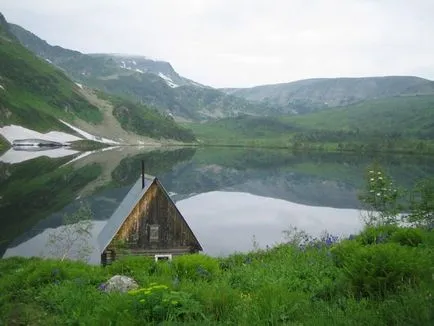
(228, 196)
(226, 222)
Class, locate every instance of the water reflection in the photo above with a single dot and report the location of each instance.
(225, 222)
(315, 191)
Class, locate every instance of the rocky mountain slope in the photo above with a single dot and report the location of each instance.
(37, 95)
(309, 95)
(141, 79)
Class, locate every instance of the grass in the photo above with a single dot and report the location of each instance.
(320, 282)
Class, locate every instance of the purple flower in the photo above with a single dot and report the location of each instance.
(102, 286)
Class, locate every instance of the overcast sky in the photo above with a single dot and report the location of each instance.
(240, 43)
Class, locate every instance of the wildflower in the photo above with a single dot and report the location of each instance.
(102, 286)
(378, 172)
(380, 178)
(371, 171)
(372, 179)
(378, 193)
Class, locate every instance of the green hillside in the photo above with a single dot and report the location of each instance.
(394, 124)
(409, 116)
(34, 94)
(244, 130)
(146, 121)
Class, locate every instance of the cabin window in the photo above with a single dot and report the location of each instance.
(163, 257)
(153, 232)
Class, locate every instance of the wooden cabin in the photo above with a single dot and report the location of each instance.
(146, 223)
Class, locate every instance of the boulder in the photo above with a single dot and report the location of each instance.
(119, 283)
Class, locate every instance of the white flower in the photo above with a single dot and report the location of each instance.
(371, 190)
(378, 172)
(372, 179)
(380, 178)
(378, 193)
(371, 171)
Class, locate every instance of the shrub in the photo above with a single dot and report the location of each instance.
(196, 266)
(374, 271)
(407, 237)
(341, 252)
(376, 234)
(139, 268)
(157, 303)
(380, 198)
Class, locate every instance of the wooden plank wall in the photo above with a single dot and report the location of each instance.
(155, 210)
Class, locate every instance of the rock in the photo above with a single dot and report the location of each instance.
(120, 283)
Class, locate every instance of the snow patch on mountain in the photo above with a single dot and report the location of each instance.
(49, 61)
(90, 136)
(79, 85)
(14, 132)
(138, 70)
(168, 80)
(1, 86)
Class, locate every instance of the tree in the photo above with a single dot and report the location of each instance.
(71, 240)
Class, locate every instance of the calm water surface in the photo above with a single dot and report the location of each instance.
(230, 197)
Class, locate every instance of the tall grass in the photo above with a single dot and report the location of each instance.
(348, 283)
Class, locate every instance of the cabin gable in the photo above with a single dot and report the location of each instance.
(153, 226)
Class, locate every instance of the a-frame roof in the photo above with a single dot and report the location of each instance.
(125, 208)
(119, 216)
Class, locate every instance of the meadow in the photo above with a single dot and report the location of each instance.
(382, 276)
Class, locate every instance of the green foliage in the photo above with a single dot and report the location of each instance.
(157, 303)
(408, 237)
(380, 198)
(378, 234)
(385, 202)
(375, 271)
(350, 284)
(148, 122)
(196, 267)
(422, 203)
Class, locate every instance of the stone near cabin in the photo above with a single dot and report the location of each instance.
(120, 283)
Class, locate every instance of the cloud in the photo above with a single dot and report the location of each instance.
(245, 42)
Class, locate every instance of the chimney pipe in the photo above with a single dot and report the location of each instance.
(143, 174)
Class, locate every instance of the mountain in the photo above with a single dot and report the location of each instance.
(37, 95)
(309, 95)
(151, 82)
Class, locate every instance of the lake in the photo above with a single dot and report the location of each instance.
(233, 199)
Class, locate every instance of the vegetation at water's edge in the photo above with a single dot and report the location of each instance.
(383, 276)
